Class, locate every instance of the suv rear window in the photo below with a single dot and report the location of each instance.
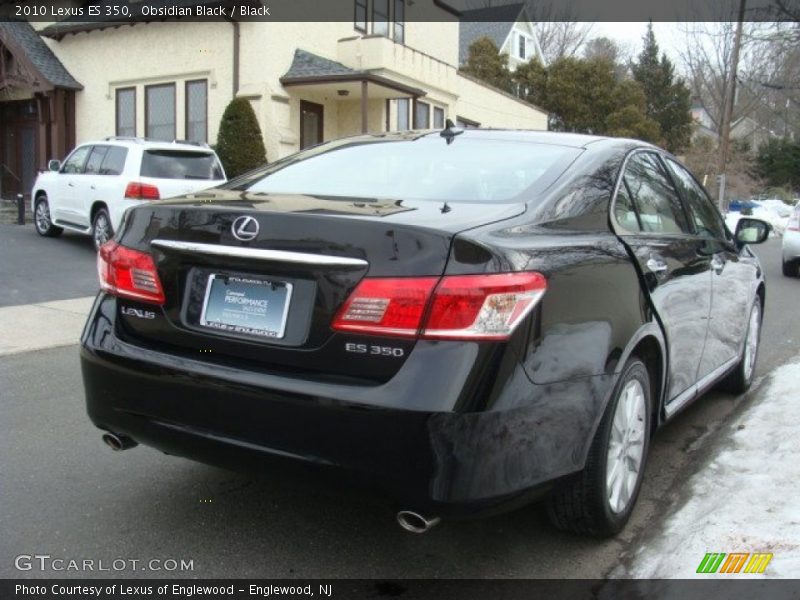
(177, 164)
(424, 167)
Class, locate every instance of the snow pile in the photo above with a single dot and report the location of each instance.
(746, 500)
(761, 212)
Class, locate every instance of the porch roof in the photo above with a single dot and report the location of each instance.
(310, 69)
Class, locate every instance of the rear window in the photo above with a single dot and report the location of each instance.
(176, 164)
(419, 168)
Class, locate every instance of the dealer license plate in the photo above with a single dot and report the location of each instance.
(246, 305)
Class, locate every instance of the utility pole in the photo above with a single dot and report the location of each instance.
(727, 109)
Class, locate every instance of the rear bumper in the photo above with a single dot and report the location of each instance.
(791, 245)
(424, 438)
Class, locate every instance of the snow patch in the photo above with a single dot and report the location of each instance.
(746, 500)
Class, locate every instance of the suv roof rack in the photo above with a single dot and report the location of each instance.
(191, 143)
(124, 138)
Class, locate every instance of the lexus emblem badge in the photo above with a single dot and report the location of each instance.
(245, 228)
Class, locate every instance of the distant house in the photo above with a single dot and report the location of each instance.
(385, 70)
(744, 129)
(508, 26)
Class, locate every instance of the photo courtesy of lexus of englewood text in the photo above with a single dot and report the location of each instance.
(408, 298)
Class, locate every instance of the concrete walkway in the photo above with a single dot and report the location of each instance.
(30, 327)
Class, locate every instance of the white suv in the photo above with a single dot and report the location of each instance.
(791, 244)
(98, 181)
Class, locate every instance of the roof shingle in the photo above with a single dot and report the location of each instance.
(306, 64)
(22, 35)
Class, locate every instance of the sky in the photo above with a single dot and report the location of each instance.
(668, 35)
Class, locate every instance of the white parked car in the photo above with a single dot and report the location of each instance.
(791, 244)
(99, 181)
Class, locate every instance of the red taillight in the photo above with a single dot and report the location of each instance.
(793, 224)
(482, 307)
(391, 307)
(475, 307)
(128, 273)
(141, 191)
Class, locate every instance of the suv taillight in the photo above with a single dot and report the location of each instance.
(462, 307)
(793, 224)
(128, 273)
(141, 191)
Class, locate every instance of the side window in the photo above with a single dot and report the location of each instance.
(624, 211)
(653, 196)
(704, 216)
(96, 160)
(114, 162)
(76, 160)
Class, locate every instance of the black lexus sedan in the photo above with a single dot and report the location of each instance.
(470, 319)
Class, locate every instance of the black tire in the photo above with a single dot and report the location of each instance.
(581, 503)
(102, 230)
(42, 221)
(790, 268)
(740, 379)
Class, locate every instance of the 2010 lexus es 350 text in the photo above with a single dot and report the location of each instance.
(470, 318)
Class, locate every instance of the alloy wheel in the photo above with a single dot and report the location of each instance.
(751, 343)
(102, 230)
(42, 216)
(626, 446)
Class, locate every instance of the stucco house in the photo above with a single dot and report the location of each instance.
(73, 81)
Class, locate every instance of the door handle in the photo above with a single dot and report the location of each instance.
(717, 263)
(70, 184)
(91, 187)
(657, 265)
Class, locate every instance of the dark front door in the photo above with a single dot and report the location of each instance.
(18, 148)
(674, 266)
(311, 123)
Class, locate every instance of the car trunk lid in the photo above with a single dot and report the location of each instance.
(296, 257)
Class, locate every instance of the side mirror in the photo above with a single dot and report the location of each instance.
(751, 231)
(54, 165)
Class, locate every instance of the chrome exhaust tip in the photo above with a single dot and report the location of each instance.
(415, 522)
(118, 442)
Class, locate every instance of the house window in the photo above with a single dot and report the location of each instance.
(159, 111)
(403, 105)
(522, 47)
(380, 17)
(438, 118)
(399, 21)
(422, 116)
(126, 112)
(360, 19)
(197, 111)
